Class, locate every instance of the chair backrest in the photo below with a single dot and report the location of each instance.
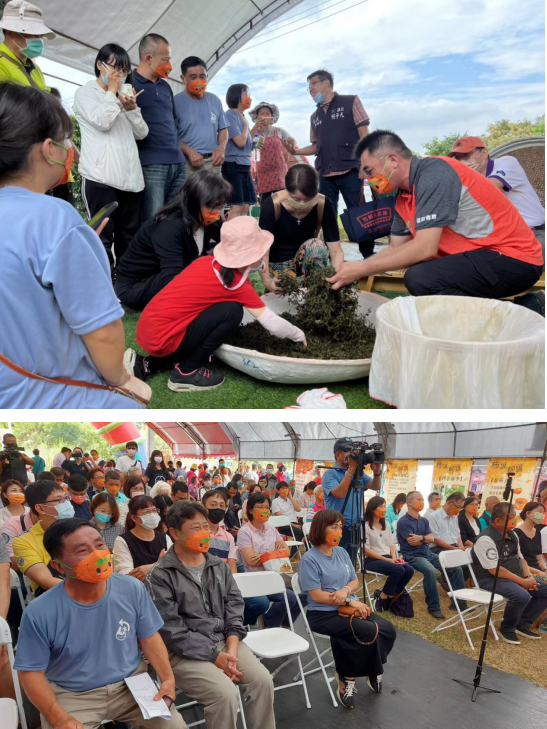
(14, 580)
(279, 521)
(5, 639)
(295, 584)
(256, 584)
(306, 526)
(455, 558)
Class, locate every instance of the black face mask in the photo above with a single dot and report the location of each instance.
(215, 516)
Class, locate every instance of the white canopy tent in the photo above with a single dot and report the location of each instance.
(210, 29)
(314, 441)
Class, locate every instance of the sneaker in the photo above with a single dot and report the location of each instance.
(509, 636)
(201, 379)
(375, 684)
(527, 632)
(345, 697)
(534, 301)
(437, 614)
(381, 605)
(135, 364)
(441, 580)
(375, 598)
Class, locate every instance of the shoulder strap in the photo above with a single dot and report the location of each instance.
(22, 68)
(278, 198)
(22, 521)
(320, 211)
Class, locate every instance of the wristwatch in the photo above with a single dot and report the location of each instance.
(348, 600)
(423, 539)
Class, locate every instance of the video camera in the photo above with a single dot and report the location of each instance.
(11, 452)
(364, 453)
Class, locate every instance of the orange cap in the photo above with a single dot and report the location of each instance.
(465, 145)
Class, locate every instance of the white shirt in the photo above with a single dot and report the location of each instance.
(121, 556)
(285, 507)
(518, 189)
(445, 527)
(124, 463)
(487, 552)
(109, 151)
(428, 513)
(252, 475)
(379, 540)
(199, 237)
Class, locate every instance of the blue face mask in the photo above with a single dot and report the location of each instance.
(64, 510)
(35, 48)
(240, 483)
(319, 99)
(102, 518)
(269, 470)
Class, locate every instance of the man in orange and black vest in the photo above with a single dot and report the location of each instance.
(455, 232)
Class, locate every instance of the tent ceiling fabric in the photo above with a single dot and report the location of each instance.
(210, 29)
(272, 441)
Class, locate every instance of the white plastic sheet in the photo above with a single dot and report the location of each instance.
(294, 370)
(458, 352)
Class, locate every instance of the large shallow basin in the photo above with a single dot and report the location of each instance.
(291, 370)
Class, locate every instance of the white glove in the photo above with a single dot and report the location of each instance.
(280, 327)
(319, 399)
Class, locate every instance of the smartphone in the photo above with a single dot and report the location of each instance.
(103, 213)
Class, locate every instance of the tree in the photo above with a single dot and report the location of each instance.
(77, 184)
(442, 146)
(504, 131)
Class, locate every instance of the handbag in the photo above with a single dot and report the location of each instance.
(369, 220)
(75, 383)
(349, 612)
(402, 605)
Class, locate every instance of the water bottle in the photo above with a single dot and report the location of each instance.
(367, 192)
(256, 149)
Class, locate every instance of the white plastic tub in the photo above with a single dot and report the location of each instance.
(458, 352)
(292, 370)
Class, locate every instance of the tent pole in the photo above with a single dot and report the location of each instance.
(542, 461)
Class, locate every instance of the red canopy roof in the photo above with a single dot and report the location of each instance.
(195, 439)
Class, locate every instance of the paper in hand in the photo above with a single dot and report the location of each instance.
(144, 689)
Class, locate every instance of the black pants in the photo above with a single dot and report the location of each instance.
(485, 273)
(64, 192)
(298, 535)
(136, 295)
(204, 335)
(124, 221)
(352, 659)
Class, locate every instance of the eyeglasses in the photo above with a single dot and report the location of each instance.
(58, 500)
(312, 83)
(119, 69)
(369, 171)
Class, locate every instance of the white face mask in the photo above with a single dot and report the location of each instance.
(158, 459)
(136, 493)
(150, 521)
(130, 452)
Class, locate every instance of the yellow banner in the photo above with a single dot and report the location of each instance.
(496, 478)
(400, 477)
(451, 474)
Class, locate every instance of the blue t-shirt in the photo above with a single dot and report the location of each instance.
(200, 121)
(82, 647)
(161, 144)
(316, 571)
(354, 508)
(241, 155)
(56, 286)
(408, 525)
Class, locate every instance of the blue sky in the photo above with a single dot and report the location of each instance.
(423, 68)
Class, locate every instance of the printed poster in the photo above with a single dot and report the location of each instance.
(496, 478)
(303, 473)
(478, 477)
(450, 475)
(399, 478)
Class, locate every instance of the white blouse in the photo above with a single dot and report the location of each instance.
(379, 540)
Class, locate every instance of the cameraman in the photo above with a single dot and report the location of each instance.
(13, 463)
(336, 483)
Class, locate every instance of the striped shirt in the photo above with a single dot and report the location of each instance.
(222, 544)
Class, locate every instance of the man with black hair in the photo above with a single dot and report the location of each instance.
(455, 232)
(75, 676)
(527, 597)
(180, 491)
(162, 160)
(76, 463)
(197, 596)
(202, 125)
(49, 503)
(434, 501)
(39, 463)
(124, 463)
(338, 123)
(77, 491)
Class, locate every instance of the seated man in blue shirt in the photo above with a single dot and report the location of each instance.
(336, 483)
(74, 676)
(414, 535)
(77, 491)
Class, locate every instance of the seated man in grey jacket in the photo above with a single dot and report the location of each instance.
(202, 609)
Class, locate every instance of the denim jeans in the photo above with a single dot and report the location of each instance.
(398, 575)
(345, 544)
(524, 607)
(348, 184)
(254, 608)
(161, 183)
(428, 566)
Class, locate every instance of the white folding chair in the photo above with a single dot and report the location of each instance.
(15, 584)
(8, 714)
(273, 642)
(5, 639)
(295, 584)
(189, 704)
(480, 598)
(306, 526)
(283, 521)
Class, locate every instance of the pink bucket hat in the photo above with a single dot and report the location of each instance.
(242, 242)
